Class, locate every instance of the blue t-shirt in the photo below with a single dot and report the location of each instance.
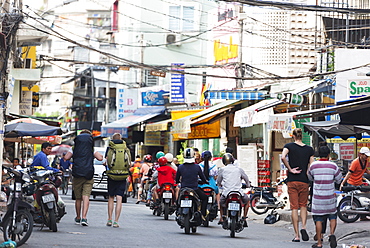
(64, 164)
(40, 159)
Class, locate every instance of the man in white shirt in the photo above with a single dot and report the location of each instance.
(230, 178)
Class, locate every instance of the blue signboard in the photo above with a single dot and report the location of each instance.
(177, 84)
(153, 98)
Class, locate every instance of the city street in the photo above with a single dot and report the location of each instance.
(139, 228)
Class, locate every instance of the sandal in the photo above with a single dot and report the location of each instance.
(109, 223)
(115, 224)
(295, 240)
(316, 246)
(333, 241)
(304, 235)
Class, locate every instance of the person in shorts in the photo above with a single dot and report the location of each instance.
(83, 173)
(324, 174)
(297, 157)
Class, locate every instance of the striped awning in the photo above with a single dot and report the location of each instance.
(157, 126)
(235, 95)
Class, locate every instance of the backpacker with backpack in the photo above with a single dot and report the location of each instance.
(118, 160)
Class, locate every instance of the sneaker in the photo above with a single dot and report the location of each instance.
(109, 223)
(115, 224)
(84, 222)
(77, 221)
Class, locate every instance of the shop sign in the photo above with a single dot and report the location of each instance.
(205, 131)
(153, 98)
(358, 88)
(224, 52)
(181, 126)
(155, 138)
(177, 84)
(126, 102)
(25, 106)
(347, 151)
(282, 123)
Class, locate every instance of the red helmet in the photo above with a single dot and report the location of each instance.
(162, 161)
(148, 158)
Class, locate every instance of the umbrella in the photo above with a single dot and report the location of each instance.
(30, 129)
(26, 120)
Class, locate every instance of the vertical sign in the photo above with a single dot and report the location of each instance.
(25, 106)
(347, 151)
(127, 100)
(247, 160)
(177, 84)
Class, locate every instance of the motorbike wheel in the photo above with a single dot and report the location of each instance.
(187, 224)
(345, 204)
(65, 186)
(166, 211)
(52, 221)
(255, 200)
(232, 227)
(22, 229)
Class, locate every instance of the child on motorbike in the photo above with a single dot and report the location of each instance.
(164, 174)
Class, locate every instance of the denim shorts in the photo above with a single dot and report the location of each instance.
(321, 218)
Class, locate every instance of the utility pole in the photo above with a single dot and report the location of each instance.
(107, 93)
(239, 82)
(9, 27)
(142, 75)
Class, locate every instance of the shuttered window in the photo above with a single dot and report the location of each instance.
(181, 18)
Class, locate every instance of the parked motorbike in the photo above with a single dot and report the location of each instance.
(212, 205)
(262, 199)
(165, 203)
(354, 202)
(233, 219)
(49, 206)
(17, 223)
(188, 212)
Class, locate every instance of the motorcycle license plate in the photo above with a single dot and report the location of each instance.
(234, 206)
(48, 198)
(210, 199)
(185, 204)
(167, 195)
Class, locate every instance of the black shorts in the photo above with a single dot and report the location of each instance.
(116, 187)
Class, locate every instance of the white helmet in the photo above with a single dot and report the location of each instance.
(189, 155)
(169, 157)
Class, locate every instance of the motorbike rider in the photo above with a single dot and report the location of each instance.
(210, 172)
(230, 178)
(188, 173)
(41, 158)
(164, 174)
(144, 170)
(357, 170)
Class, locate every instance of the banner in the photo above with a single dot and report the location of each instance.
(126, 102)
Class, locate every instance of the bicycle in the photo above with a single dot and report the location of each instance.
(65, 180)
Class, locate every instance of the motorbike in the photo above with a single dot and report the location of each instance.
(353, 202)
(262, 199)
(212, 205)
(166, 201)
(233, 219)
(49, 206)
(188, 215)
(17, 223)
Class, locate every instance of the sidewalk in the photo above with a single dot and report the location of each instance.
(348, 234)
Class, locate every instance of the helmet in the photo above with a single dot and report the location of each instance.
(159, 154)
(189, 155)
(148, 158)
(206, 155)
(227, 158)
(162, 161)
(169, 157)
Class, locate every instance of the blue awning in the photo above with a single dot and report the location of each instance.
(235, 95)
(121, 126)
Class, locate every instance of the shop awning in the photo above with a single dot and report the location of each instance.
(157, 126)
(251, 115)
(235, 94)
(183, 125)
(330, 129)
(121, 126)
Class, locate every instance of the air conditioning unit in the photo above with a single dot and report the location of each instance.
(173, 39)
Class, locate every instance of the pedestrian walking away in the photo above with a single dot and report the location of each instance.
(297, 158)
(83, 173)
(324, 174)
(118, 164)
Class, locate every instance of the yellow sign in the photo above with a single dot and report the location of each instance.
(223, 52)
(30, 53)
(205, 131)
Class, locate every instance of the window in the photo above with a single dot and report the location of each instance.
(182, 18)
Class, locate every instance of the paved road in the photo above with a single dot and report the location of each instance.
(139, 228)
